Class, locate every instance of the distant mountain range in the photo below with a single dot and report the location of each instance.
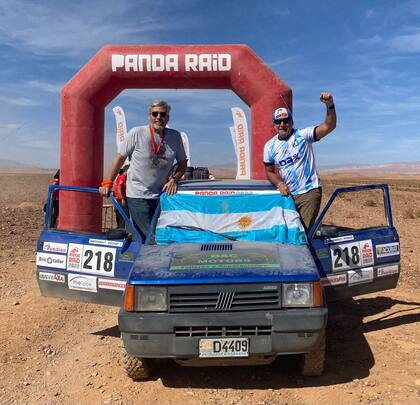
(229, 170)
(12, 166)
(395, 168)
(400, 168)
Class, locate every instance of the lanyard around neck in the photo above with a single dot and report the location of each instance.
(156, 148)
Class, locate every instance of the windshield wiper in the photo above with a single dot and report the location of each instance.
(196, 228)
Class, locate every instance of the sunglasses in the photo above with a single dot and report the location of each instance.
(282, 121)
(156, 113)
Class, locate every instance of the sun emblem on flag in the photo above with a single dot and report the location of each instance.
(245, 222)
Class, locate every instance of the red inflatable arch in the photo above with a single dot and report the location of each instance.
(116, 68)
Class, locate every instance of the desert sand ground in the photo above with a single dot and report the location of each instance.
(60, 352)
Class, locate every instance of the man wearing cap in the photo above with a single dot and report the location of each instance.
(291, 151)
(153, 149)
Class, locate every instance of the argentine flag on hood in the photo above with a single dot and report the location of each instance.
(249, 217)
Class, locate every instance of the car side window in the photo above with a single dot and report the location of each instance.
(354, 210)
(108, 214)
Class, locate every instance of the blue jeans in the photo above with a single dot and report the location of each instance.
(142, 211)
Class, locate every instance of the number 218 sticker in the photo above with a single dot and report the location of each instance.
(91, 259)
(352, 255)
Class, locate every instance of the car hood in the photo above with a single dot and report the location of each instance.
(233, 262)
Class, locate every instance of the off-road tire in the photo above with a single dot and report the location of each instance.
(313, 363)
(136, 368)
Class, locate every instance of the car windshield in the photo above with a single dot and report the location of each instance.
(262, 217)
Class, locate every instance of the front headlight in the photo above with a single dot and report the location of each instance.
(298, 295)
(151, 299)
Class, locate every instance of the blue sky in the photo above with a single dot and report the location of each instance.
(367, 53)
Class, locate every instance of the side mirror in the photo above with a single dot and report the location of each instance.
(118, 233)
(327, 231)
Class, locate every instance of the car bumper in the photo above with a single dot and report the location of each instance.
(271, 333)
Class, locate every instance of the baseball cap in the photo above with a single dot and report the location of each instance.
(282, 113)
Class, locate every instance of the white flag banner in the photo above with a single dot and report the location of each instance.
(186, 147)
(121, 128)
(243, 171)
(233, 135)
(121, 124)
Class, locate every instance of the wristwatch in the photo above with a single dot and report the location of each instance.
(331, 107)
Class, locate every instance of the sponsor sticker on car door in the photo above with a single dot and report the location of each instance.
(351, 255)
(388, 249)
(99, 260)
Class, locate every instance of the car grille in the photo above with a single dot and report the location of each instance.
(222, 331)
(216, 246)
(214, 298)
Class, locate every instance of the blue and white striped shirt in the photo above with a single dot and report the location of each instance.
(294, 158)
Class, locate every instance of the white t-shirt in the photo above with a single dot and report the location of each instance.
(148, 173)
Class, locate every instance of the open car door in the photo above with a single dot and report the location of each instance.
(354, 242)
(83, 266)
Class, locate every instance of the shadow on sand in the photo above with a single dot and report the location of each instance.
(348, 353)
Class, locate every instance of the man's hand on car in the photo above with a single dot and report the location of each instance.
(170, 187)
(282, 187)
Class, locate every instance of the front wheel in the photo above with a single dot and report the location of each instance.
(313, 363)
(136, 368)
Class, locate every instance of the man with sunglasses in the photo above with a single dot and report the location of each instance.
(291, 151)
(152, 150)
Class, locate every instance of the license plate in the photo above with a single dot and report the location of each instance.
(227, 347)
